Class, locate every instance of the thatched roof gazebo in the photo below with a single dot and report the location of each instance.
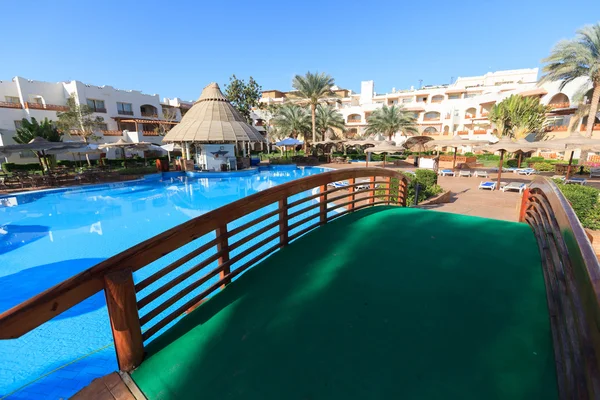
(212, 119)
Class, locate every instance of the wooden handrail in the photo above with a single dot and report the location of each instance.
(572, 275)
(115, 273)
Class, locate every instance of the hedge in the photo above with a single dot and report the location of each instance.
(12, 167)
(585, 202)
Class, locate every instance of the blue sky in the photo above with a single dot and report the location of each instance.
(176, 48)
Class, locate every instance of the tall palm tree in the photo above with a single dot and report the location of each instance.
(576, 58)
(292, 120)
(389, 120)
(328, 119)
(30, 130)
(517, 116)
(310, 90)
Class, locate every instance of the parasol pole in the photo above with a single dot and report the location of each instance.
(454, 161)
(520, 157)
(383, 160)
(367, 159)
(500, 169)
(570, 162)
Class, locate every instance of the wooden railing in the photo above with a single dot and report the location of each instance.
(8, 104)
(479, 132)
(559, 105)
(572, 274)
(112, 133)
(211, 249)
(49, 107)
(557, 128)
(150, 133)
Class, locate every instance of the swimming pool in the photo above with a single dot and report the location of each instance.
(46, 237)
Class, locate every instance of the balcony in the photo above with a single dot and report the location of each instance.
(7, 104)
(485, 114)
(123, 112)
(462, 132)
(112, 133)
(595, 128)
(431, 118)
(98, 109)
(149, 115)
(469, 116)
(556, 106)
(354, 121)
(150, 133)
(479, 132)
(47, 107)
(557, 128)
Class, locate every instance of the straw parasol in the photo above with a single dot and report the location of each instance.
(384, 148)
(455, 142)
(506, 145)
(41, 145)
(212, 119)
(417, 143)
(122, 144)
(575, 141)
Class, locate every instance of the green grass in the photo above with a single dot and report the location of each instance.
(384, 303)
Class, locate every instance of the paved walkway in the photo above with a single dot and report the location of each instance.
(467, 199)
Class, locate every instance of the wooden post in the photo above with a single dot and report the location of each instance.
(372, 191)
(223, 245)
(569, 167)
(500, 169)
(520, 157)
(283, 222)
(323, 205)
(454, 161)
(524, 202)
(402, 193)
(124, 319)
(387, 190)
(351, 196)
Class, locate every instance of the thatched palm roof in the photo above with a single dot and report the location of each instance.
(212, 119)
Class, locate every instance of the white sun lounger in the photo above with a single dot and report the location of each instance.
(466, 173)
(446, 172)
(594, 172)
(526, 171)
(481, 174)
(487, 185)
(576, 181)
(514, 186)
(338, 184)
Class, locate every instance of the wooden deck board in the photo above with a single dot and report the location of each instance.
(109, 387)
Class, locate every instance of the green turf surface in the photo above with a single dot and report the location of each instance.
(384, 303)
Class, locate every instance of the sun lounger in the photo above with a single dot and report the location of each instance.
(510, 169)
(481, 174)
(526, 171)
(487, 185)
(446, 172)
(466, 173)
(514, 186)
(594, 172)
(576, 181)
(338, 184)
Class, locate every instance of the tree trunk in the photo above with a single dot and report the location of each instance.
(593, 110)
(591, 119)
(313, 110)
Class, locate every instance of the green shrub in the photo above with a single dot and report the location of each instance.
(469, 154)
(65, 163)
(543, 166)
(488, 157)
(511, 163)
(12, 167)
(534, 160)
(426, 177)
(585, 203)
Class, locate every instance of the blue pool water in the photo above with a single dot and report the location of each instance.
(46, 237)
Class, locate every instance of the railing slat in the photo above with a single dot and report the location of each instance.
(283, 222)
(223, 250)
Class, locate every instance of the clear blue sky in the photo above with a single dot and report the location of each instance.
(176, 48)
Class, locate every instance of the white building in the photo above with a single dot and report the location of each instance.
(460, 108)
(128, 114)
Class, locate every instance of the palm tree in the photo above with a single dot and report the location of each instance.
(389, 120)
(328, 119)
(576, 58)
(310, 90)
(30, 130)
(518, 116)
(292, 120)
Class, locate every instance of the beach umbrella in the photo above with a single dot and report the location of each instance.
(384, 148)
(41, 145)
(169, 148)
(575, 141)
(417, 143)
(289, 142)
(123, 145)
(507, 145)
(455, 142)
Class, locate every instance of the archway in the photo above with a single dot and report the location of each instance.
(350, 133)
(432, 116)
(437, 98)
(470, 112)
(446, 130)
(354, 118)
(430, 130)
(559, 100)
(148, 110)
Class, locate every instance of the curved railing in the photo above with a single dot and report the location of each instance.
(572, 276)
(216, 245)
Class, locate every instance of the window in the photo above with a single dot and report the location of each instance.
(456, 113)
(421, 99)
(37, 100)
(392, 102)
(470, 95)
(102, 127)
(18, 124)
(96, 105)
(407, 100)
(124, 108)
(455, 96)
(12, 99)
